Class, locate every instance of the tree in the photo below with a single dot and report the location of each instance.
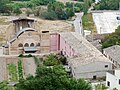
(51, 15)
(58, 8)
(108, 5)
(52, 78)
(112, 39)
(17, 10)
(3, 6)
(3, 85)
(51, 60)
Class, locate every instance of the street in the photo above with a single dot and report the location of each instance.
(78, 23)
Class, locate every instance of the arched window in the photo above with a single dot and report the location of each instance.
(38, 44)
(20, 45)
(26, 45)
(32, 45)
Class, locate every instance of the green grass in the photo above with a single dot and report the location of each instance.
(87, 22)
(12, 72)
(20, 68)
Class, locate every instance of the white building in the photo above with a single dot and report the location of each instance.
(113, 80)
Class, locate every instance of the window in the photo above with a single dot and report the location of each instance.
(108, 83)
(26, 45)
(20, 45)
(106, 66)
(32, 45)
(94, 77)
(119, 81)
(38, 44)
(45, 31)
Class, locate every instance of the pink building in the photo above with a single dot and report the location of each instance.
(54, 42)
(59, 42)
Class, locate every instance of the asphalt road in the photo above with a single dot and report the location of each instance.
(78, 23)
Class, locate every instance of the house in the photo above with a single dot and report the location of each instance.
(113, 80)
(83, 58)
(113, 53)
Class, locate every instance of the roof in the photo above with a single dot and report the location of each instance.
(24, 30)
(23, 18)
(87, 53)
(113, 52)
(30, 48)
(20, 32)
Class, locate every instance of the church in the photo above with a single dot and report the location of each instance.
(24, 38)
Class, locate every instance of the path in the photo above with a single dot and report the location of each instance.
(78, 23)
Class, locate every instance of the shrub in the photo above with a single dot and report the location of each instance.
(50, 15)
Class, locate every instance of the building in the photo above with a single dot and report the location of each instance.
(25, 38)
(83, 57)
(113, 53)
(113, 80)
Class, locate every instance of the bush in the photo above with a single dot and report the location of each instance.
(50, 15)
(21, 55)
(51, 60)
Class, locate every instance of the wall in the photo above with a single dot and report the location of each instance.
(91, 69)
(66, 48)
(4, 61)
(113, 81)
(54, 42)
(1, 50)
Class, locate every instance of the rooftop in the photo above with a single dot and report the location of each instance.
(22, 18)
(113, 52)
(86, 51)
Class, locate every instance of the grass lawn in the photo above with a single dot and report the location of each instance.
(87, 22)
(12, 72)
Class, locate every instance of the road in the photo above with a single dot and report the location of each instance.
(78, 23)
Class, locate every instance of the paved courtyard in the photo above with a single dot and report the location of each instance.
(106, 21)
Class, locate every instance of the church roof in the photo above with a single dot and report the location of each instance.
(20, 32)
(23, 18)
(24, 30)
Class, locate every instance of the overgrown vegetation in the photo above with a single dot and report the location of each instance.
(112, 39)
(108, 5)
(87, 22)
(20, 69)
(29, 55)
(49, 76)
(55, 78)
(55, 9)
(100, 87)
(12, 72)
(4, 86)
